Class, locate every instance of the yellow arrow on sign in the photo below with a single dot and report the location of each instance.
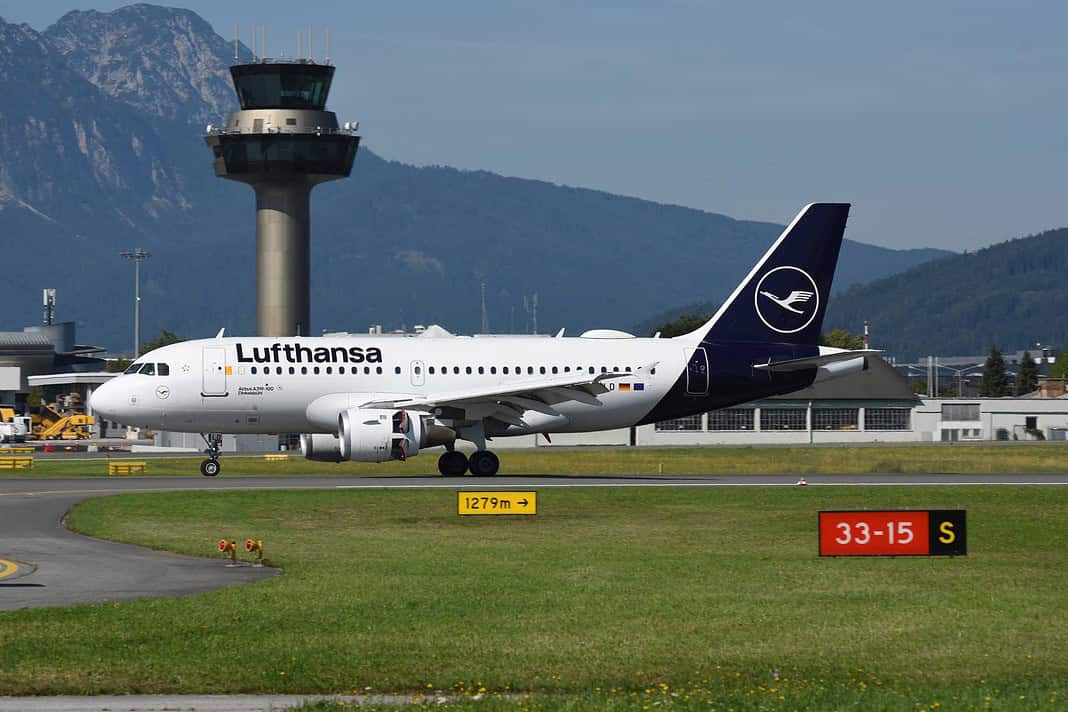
(480, 503)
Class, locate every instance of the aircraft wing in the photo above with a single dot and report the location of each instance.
(538, 395)
(800, 364)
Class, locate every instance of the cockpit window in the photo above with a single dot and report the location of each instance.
(163, 369)
(149, 369)
(133, 368)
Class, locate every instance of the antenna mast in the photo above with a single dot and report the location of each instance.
(485, 314)
(235, 42)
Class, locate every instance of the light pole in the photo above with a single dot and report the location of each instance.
(137, 255)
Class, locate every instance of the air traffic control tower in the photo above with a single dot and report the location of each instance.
(283, 143)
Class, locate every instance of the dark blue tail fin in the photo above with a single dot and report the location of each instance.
(784, 297)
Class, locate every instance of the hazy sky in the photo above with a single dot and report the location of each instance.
(944, 123)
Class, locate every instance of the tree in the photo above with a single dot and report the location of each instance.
(1026, 375)
(995, 381)
(165, 338)
(683, 325)
(1060, 365)
(841, 338)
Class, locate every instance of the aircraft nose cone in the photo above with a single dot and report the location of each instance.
(106, 401)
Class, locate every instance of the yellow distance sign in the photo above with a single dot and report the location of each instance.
(483, 503)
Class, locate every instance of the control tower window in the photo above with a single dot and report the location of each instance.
(282, 86)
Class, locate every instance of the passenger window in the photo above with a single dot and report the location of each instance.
(456, 369)
(367, 370)
(149, 369)
(481, 370)
(468, 370)
(163, 369)
(493, 370)
(567, 369)
(628, 369)
(133, 368)
(329, 370)
(278, 370)
(505, 370)
(418, 370)
(530, 370)
(541, 370)
(341, 370)
(304, 370)
(292, 370)
(591, 369)
(604, 369)
(431, 370)
(396, 370)
(615, 369)
(378, 370)
(253, 369)
(556, 370)
(316, 370)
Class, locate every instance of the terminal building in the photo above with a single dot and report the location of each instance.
(48, 348)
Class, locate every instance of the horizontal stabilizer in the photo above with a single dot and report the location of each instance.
(801, 364)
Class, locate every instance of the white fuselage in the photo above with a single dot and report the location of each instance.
(267, 388)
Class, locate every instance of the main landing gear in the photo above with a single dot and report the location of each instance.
(211, 467)
(481, 464)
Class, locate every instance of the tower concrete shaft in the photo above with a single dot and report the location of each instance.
(283, 259)
(283, 143)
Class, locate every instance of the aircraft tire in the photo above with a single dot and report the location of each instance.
(209, 467)
(452, 464)
(484, 463)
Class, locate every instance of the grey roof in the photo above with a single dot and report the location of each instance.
(880, 382)
(21, 339)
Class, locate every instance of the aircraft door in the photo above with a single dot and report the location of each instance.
(697, 372)
(418, 373)
(214, 372)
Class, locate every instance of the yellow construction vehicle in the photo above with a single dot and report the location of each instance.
(50, 424)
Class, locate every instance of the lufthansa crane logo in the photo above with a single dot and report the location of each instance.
(787, 299)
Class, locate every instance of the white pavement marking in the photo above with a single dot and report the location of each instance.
(705, 484)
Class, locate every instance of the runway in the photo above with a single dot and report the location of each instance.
(44, 564)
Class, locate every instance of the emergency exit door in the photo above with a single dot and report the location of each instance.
(214, 372)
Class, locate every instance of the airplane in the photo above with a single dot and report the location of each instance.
(375, 398)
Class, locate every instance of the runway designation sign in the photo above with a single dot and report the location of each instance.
(482, 503)
(933, 532)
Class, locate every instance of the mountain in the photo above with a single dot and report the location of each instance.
(101, 150)
(1011, 295)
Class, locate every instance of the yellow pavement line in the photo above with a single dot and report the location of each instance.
(7, 568)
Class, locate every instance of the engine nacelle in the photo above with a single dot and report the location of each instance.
(378, 435)
(320, 447)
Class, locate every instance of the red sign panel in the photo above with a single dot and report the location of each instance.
(893, 533)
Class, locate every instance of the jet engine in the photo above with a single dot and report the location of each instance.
(378, 435)
(320, 447)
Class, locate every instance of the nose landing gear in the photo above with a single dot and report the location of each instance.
(211, 467)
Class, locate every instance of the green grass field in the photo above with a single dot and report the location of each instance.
(1023, 458)
(609, 598)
